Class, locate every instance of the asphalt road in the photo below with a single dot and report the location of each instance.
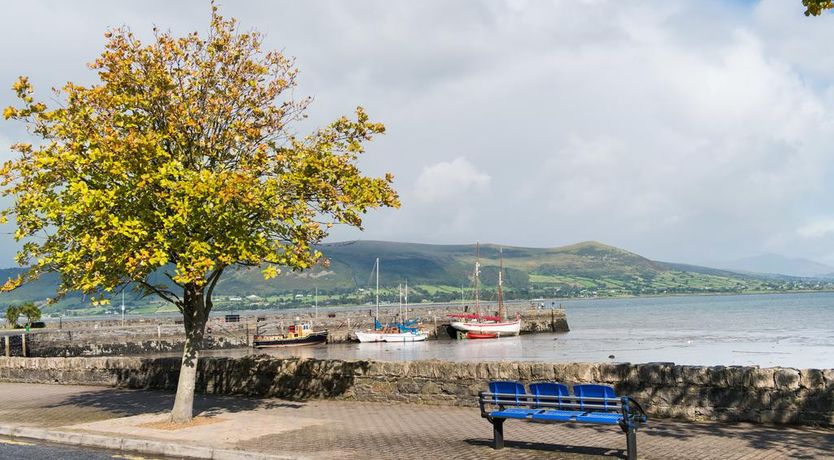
(36, 450)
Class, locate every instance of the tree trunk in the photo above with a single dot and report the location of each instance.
(195, 315)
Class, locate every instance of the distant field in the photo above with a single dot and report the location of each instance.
(435, 273)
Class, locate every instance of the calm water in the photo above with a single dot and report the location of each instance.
(795, 330)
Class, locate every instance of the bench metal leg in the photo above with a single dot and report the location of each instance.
(498, 433)
(631, 444)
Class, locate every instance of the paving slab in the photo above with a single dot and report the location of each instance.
(347, 429)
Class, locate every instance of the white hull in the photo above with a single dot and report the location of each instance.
(509, 328)
(405, 337)
(370, 336)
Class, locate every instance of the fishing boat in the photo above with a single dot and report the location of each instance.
(485, 324)
(299, 334)
(375, 334)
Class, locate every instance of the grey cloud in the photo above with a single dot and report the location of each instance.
(689, 131)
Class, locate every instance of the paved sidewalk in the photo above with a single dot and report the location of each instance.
(342, 430)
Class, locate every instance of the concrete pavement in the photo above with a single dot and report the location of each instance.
(269, 428)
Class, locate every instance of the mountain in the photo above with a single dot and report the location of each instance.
(781, 265)
(444, 272)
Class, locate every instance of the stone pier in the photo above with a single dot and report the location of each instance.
(165, 335)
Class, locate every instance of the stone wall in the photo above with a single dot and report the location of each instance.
(752, 394)
(133, 339)
(95, 343)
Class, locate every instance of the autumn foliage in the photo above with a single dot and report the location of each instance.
(181, 159)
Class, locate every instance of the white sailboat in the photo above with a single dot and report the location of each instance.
(404, 333)
(482, 325)
(375, 334)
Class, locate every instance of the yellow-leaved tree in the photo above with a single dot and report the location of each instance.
(817, 7)
(181, 159)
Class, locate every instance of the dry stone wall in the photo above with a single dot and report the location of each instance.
(751, 394)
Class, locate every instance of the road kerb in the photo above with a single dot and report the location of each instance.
(142, 446)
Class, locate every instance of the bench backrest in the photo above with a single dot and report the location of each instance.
(509, 391)
(588, 390)
(553, 393)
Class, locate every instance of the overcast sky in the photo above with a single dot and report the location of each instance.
(690, 131)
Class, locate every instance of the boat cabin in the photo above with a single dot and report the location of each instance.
(299, 330)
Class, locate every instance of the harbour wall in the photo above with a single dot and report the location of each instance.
(666, 390)
(164, 335)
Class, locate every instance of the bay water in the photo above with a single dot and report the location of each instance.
(789, 330)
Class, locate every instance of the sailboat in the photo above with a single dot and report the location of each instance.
(375, 334)
(484, 326)
(405, 331)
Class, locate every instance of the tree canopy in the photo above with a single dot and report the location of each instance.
(817, 7)
(182, 159)
(12, 314)
(181, 155)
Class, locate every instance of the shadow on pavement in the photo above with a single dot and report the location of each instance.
(762, 437)
(541, 446)
(134, 402)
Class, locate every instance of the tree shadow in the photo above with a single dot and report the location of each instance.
(126, 402)
(759, 437)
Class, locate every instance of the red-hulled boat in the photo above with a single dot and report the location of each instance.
(481, 335)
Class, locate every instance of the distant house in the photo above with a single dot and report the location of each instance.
(235, 299)
(253, 298)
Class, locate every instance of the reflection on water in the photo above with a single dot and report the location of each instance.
(768, 330)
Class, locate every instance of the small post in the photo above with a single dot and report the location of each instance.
(631, 444)
(159, 332)
(498, 433)
(23, 343)
(8, 347)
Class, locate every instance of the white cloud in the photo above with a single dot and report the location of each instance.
(817, 229)
(449, 180)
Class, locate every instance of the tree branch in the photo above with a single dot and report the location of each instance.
(166, 295)
(213, 278)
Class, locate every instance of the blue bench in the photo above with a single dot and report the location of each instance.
(551, 402)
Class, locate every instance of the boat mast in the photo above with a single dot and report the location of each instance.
(406, 299)
(477, 275)
(502, 311)
(316, 302)
(400, 291)
(377, 289)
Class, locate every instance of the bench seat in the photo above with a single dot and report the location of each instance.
(606, 418)
(558, 415)
(514, 412)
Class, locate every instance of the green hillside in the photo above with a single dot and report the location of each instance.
(444, 273)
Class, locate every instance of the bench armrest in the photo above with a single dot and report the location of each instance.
(482, 403)
(629, 405)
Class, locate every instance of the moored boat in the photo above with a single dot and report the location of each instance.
(375, 334)
(405, 336)
(481, 335)
(483, 324)
(297, 335)
(370, 336)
